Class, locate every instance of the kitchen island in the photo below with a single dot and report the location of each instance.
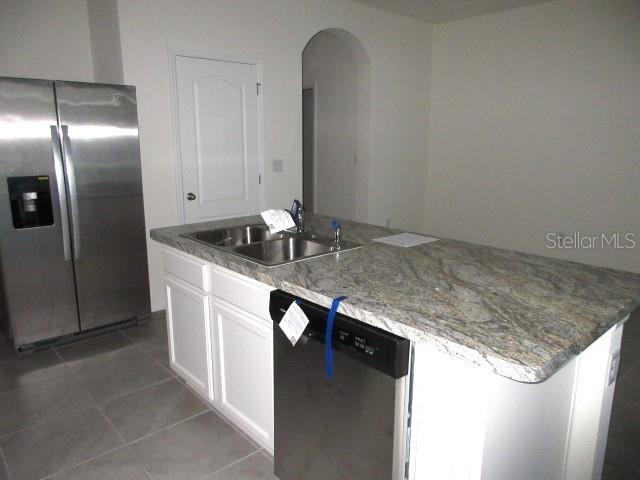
(514, 354)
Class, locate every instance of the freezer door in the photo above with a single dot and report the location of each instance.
(99, 129)
(35, 254)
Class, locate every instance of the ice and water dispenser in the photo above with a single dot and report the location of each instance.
(30, 199)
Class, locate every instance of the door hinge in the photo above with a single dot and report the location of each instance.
(258, 87)
(259, 179)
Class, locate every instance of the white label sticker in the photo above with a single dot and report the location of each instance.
(293, 323)
(277, 220)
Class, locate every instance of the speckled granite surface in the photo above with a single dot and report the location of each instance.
(520, 315)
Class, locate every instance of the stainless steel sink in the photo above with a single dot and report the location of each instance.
(234, 236)
(277, 252)
(257, 244)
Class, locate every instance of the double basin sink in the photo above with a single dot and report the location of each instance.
(257, 244)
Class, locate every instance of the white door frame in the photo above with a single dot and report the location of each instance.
(314, 165)
(315, 146)
(173, 94)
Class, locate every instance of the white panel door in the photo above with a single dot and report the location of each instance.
(218, 133)
(245, 363)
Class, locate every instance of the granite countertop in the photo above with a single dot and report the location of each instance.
(522, 316)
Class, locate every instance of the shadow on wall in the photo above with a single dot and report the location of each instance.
(336, 82)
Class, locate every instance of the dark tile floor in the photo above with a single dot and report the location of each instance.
(622, 460)
(109, 408)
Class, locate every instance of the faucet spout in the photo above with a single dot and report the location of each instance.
(297, 213)
(337, 234)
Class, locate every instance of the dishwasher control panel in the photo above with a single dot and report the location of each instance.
(378, 348)
(359, 342)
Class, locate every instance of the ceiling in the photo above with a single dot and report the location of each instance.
(437, 11)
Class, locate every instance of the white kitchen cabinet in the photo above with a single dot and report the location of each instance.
(220, 340)
(243, 352)
(245, 370)
(189, 321)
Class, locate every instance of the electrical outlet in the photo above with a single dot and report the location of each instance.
(387, 222)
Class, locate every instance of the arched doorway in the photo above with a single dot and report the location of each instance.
(335, 112)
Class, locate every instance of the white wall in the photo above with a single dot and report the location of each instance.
(535, 127)
(275, 32)
(45, 39)
(105, 41)
(331, 70)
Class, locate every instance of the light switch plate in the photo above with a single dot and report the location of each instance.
(277, 165)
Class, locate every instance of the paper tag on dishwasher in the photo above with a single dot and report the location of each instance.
(293, 323)
(277, 220)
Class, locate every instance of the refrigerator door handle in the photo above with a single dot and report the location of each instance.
(73, 191)
(62, 191)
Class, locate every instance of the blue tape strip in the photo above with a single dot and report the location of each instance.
(328, 336)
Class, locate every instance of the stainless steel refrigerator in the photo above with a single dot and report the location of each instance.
(72, 235)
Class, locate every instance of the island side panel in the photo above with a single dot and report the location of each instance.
(597, 369)
(470, 424)
(527, 427)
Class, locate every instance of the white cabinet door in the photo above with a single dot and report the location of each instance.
(190, 335)
(245, 369)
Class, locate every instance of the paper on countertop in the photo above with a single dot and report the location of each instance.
(293, 323)
(406, 239)
(278, 220)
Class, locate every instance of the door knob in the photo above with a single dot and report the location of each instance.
(191, 196)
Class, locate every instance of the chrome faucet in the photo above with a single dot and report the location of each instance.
(337, 231)
(297, 213)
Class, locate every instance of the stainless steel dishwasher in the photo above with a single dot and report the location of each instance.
(352, 426)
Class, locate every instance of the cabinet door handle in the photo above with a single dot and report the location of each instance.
(191, 196)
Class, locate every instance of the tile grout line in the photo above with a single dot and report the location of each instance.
(133, 442)
(124, 440)
(133, 343)
(232, 464)
(2, 364)
(94, 403)
(124, 444)
(118, 397)
(140, 462)
(57, 417)
(171, 377)
(220, 415)
(55, 350)
(58, 472)
(5, 463)
(226, 420)
(108, 420)
(267, 455)
(51, 419)
(22, 387)
(74, 376)
(149, 355)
